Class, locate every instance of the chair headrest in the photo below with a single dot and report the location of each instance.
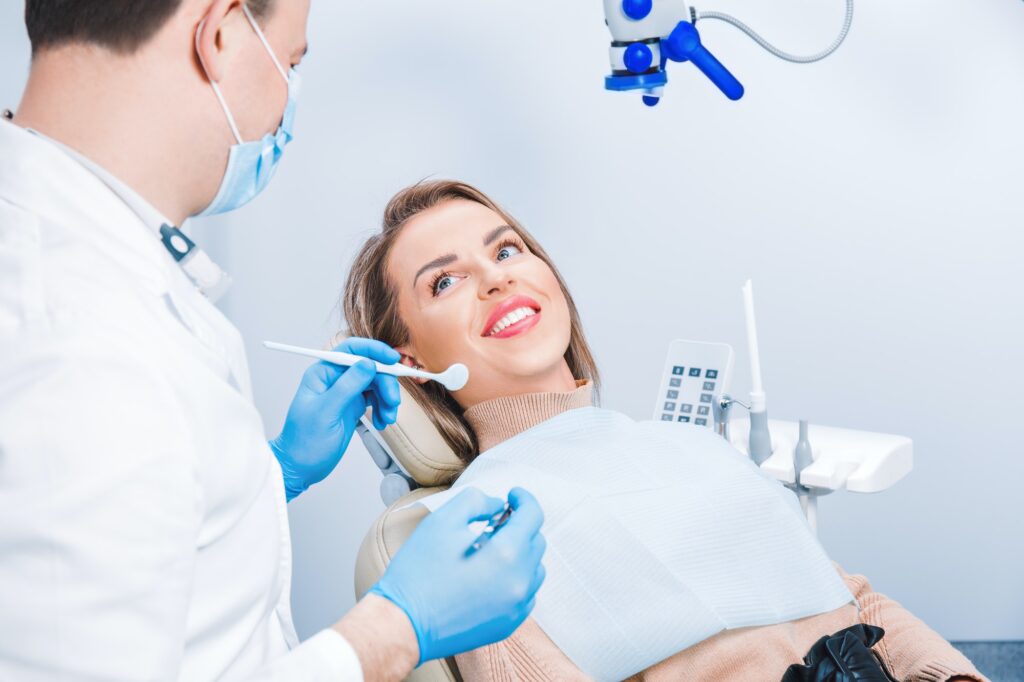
(419, 447)
(415, 442)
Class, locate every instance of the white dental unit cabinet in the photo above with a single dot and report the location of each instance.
(693, 390)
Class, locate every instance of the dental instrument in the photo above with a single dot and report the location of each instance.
(454, 378)
(760, 438)
(803, 457)
(723, 413)
(396, 482)
(493, 526)
(647, 34)
(802, 454)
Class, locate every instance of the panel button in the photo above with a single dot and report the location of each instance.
(685, 419)
(703, 409)
(672, 395)
(694, 372)
(675, 382)
(712, 374)
(686, 408)
(677, 370)
(705, 397)
(666, 417)
(700, 422)
(669, 406)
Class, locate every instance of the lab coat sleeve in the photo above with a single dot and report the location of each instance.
(325, 657)
(99, 513)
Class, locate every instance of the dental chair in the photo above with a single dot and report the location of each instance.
(416, 462)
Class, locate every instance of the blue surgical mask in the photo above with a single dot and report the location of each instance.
(251, 165)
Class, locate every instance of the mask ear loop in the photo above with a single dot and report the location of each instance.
(216, 88)
(263, 39)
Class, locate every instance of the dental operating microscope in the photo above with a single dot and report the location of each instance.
(647, 34)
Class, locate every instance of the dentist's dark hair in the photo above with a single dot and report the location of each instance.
(122, 26)
(370, 304)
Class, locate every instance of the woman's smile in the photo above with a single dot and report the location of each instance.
(514, 316)
(466, 279)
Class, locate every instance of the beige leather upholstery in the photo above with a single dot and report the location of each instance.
(419, 447)
(424, 455)
(386, 535)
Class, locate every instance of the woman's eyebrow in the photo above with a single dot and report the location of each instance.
(495, 233)
(450, 258)
(438, 262)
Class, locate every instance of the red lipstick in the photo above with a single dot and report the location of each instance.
(507, 306)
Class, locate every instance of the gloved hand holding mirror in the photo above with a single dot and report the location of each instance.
(326, 408)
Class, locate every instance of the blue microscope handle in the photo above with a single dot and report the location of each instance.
(719, 75)
(683, 44)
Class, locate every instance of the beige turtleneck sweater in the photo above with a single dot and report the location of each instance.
(910, 649)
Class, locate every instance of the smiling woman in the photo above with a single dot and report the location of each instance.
(454, 278)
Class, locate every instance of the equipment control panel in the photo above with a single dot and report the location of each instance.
(695, 373)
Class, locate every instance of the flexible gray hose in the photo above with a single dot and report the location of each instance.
(776, 51)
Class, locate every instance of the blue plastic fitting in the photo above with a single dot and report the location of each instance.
(637, 9)
(683, 45)
(643, 81)
(638, 57)
(651, 100)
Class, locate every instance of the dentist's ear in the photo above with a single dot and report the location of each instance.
(220, 22)
(410, 361)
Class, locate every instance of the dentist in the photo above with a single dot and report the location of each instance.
(143, 524)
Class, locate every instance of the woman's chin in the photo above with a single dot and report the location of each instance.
(535, 368)
(536, 357)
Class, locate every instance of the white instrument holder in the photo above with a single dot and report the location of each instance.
(844, 459)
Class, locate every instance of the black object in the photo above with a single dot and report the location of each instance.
(845, 656)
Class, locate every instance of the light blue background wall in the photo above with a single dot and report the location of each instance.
(874, 198)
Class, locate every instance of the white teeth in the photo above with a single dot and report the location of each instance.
(510, 319)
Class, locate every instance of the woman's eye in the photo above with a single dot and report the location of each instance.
(443, 283)
(508, 252)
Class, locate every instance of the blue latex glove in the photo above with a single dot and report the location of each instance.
(325, 409)
(458, 603)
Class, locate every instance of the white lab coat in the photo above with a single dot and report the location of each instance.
(143, 526)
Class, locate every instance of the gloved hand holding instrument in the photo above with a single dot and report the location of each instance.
(326, 408)
(458, 600)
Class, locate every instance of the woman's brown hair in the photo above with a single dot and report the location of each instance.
(370, 304)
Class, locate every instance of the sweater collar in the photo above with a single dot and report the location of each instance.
(495, 421)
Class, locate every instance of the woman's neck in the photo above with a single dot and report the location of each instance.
(495, 421)
(556, 379)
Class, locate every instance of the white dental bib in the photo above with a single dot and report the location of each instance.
(659, 534)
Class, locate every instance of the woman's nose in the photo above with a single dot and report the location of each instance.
(495, 279)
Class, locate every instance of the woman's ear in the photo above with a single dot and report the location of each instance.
(410, 360)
